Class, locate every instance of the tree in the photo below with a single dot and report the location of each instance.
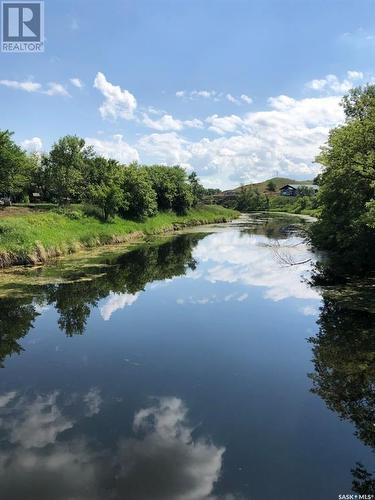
(139, 198)
(183, 198)
(249, 200)
(305, 191)
(347, 184)
(271, 186)
(16, 167)
(67, 166)
(104, 189)
(163, 184)
(197, 189)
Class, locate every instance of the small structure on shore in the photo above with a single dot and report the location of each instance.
(298, 189)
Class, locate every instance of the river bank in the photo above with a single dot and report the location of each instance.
(34, 239)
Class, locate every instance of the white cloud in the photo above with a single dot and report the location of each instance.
(33, 145)
(331, 84)
(167, 122)
(194, 123)
(76, 82)
(167, 148)
(53, 88)
(224, 124)
(26, 86)
(232, 99)
(56, 89)
(118, 102)
(197, 94)
(115, 148)
(284, 138)
(116, 301)
(213, 95)
(246, 98)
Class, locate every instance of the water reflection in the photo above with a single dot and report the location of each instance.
(43, 458)
(120, 279)
(344, 362)
(227, 340)
(248, 259)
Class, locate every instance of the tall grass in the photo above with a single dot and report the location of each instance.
(32, 239)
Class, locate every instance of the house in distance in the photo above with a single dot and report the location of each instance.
(298, 189)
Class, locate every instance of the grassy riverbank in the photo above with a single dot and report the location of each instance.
(34, 238)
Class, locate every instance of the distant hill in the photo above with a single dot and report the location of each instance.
(262, 186)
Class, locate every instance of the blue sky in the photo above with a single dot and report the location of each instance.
(239, 90)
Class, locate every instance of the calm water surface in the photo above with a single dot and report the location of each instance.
(187, 368)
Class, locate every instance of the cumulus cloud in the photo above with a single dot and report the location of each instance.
(285, 137)
(76, 82)
(224, 124)
(167, 148)
(115, 148)
(167, 122)
(116, 301)
(118, 102)
(334, 85)
(33, 145)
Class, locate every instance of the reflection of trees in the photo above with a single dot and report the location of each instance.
(73, 300)
(16, 318)
(344, 377)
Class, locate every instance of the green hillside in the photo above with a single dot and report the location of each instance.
(278, 181)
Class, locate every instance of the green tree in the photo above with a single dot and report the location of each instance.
(67, 166)
(347, 184)
(271, 186)
(139, 197)
(163, 184)
(183, 198)
(104, 189)
(197, 189)
(249, 200)
(16, 167)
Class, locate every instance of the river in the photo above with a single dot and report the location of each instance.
(187, 367)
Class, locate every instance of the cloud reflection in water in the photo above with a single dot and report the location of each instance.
(161, 460)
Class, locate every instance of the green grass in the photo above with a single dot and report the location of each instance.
(33, 238)
(294, 205)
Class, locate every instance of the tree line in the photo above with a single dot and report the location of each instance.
(347, 186)
(73, 173)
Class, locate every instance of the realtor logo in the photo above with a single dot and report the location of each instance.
(22, 26)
